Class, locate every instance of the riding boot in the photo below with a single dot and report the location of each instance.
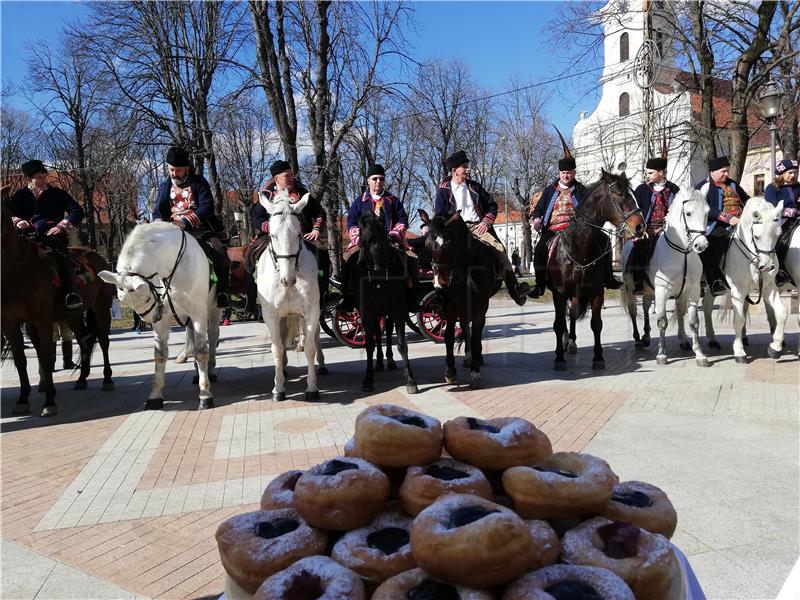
(782, 277)
(539, 270)
(72, 299)
(222, 268)
(66, 355)
(518, 291)
(612, 283)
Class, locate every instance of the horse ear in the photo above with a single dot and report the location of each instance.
(779, 209)
(424, 216)
(456, 216)
(264, 201)
(300, 204)
(110, 277)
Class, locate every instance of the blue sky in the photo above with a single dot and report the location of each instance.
(496, 39)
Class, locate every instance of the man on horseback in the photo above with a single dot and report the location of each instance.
(725, 200)
(395, 220)
(185, 199)
(52, 213)
(786, 188)
(479, 211)
(654, 198)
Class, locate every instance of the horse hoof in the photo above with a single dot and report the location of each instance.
(108, 386)
(598, 365)
(212, 377)
(391, 365)
(154, 404)
(412, 388)
(702, 362)
(572, 349)
(745, 341)
(21, 409)
(205, 403)
(560, 365)
(714, 344)
(49, 411)
(323, 370)
(646, 342)
(773, 353)
(181, 358)
(661, 359)
(278, 396)
(475, 381)
(379, 367)
(741, 360)
(312, 396)
(300, 348)
(79, 385)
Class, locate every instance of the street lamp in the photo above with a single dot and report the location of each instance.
(238, 217)
(771, 98)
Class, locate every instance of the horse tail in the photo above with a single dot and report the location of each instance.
(725, 308)
(5, 351)
(627, 297)
(578, 311)
(290, 330)
(460, 340)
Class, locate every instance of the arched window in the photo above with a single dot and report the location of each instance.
(624, 105)
(624, 47)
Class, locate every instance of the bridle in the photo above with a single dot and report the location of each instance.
(296, 255)
(684, 251)
(371, 276)
(752, 258)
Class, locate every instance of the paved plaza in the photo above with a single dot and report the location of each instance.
(109, 501)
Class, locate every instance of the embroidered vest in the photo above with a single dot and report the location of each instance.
(182, 201)
(563, 209)
(658, 214)
(731, 204)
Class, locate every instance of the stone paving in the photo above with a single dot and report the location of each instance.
(106, 500)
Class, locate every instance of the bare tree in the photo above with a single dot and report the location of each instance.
(16, 140)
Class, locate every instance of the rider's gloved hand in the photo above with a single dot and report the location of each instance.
(537, 223)
(789, 213)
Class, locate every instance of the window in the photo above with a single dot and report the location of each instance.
(624, 47)
(624, 105)
(758, 185)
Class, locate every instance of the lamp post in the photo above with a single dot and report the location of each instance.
(771, 98)
(238, 217)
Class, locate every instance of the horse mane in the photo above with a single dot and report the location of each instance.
(144, 236)
(682, 198)
(751, 206)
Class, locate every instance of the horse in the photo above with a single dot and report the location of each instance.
(576, 267)
(30, 296)
(673, 272)
(791, 264)
(464, 275)
(381, 273)
(288, 290)
(749, 266)
(163, 274)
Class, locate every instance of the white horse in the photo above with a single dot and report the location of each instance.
(674, 271)
(288, 290)
(749, 267)
(162, 274)
(791, 264)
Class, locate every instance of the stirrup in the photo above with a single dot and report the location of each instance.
(782, 277)
(536, 291)
(718, 288)
(73, 301)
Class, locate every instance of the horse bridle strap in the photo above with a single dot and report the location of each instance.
(296, 255)
(752, 257)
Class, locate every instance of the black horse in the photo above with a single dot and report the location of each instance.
(464, 274)
(381, 279)
(576, 269)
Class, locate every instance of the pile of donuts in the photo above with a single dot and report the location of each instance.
(499, 517)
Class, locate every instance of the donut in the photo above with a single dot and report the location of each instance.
(644, 505)
(418, 585)
(393, 436)
(378, 551)
(495, 443)
(569, 582)
(470, 541)
(280, 491)
(255, 545)
(341, 494)
(423, 485)
(546, 545)
(642, 559)
(565, 484)
(314, 577)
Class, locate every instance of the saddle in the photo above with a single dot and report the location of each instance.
(75, 255)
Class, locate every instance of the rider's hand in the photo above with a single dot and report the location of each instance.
(734, 221)
(313, 236)
(23, 224)
(481, 228)
(788, 213)
(394, 238)
(54, 231)
(537, 223)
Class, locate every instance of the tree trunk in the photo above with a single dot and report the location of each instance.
(705, 54)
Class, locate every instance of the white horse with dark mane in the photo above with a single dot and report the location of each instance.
(163, 274)
(750, 268)
(288, 290)
(674, 272)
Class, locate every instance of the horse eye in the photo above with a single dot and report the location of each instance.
(689, 214)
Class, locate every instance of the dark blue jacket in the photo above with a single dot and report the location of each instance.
(311, 218)
(790, 194)
(46, 212)
(201, 217)
(394, 215)
(544, 208)
(444, 203)
(714, 200)
(645, 195)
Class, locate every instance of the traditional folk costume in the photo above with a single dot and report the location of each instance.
(790, 195)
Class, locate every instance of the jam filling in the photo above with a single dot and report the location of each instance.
(272, 529)
(466, 515)
(620, 539)
(388, 540)
(636, 499)
(304, 586)
(445, 473)
(573, 590)
(475, 424)
(569, 474)
(409, 420)
(332, 467)
(433, 590)
(291, 482)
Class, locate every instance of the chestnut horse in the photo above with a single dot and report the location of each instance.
(30, 296)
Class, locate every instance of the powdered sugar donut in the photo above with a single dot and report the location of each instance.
(341, 494)
(378, 551)
(418, 585)
(279, 493)
(546, 545)
(644, 505)
(423, 485)
(566, 484)
(317, 577)
(255, 545)
(569, 581)
(471, 541)
(393, 436)
(495, 443)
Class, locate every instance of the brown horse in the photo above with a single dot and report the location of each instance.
(29, 296)
(576, 270)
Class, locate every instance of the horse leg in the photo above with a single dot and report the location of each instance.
(213, 341)
(745, 340)
(633, 314)
(15, 340)
(647, 302)
(680, 313)
(739, 354)
(102, 327)
(86, 340)
(46, 353)
(694, 326)
(160, 355)
(321, 369)
(390, 325)
(478, 322)
(379, 347)
(188, 347)
(572, 346)
(273, 322)
(708, 310)
(310, 328)
(775, 305)
(560, 329)
(371, 330)
(598, 362)
(661, 322)
(402, 346)
(466, 333)
(449, 342)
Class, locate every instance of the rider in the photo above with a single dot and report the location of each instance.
(395, 220)
(654, 198)
(479, 211)
(185, 199)
(725, 200)
(786, 188)
(52, 212)
(551, 216)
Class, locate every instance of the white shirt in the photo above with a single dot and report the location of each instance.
(658, 186)
(464, 202)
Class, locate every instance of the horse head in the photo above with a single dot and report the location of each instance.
(374, 242)
(688, 217)
(616, 204)
(285, 234)
(447, 241)
(758, 229)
